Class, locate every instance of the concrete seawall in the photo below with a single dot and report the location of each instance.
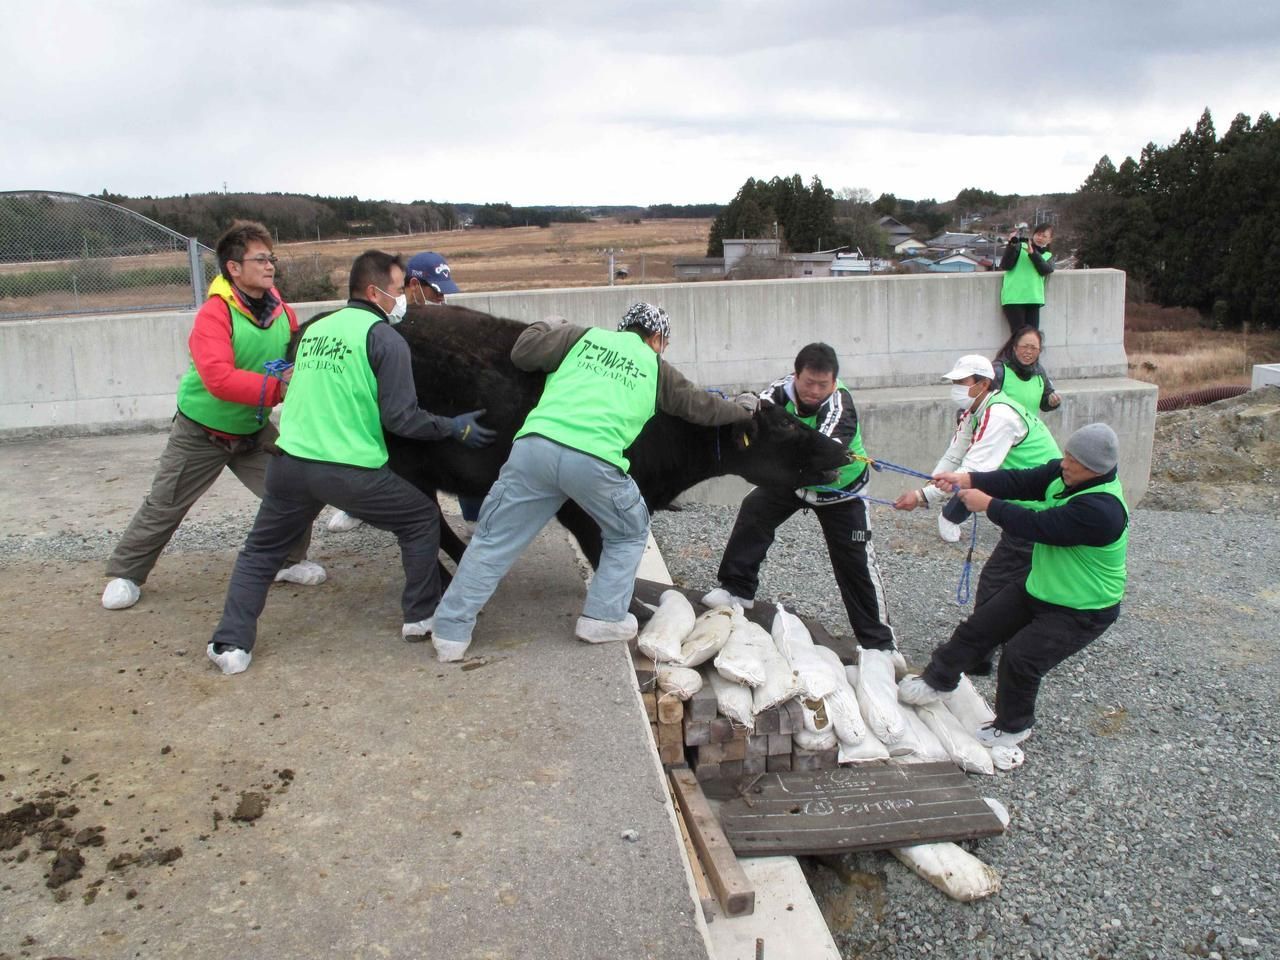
(895, 336)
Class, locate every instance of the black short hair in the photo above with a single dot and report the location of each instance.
(372, 266)
(1042, 225)
(235, 241)
(818, 357)
(1006, 352)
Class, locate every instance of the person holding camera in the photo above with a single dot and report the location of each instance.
(1025, 265)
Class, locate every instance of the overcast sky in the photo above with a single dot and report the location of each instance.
(598, 102)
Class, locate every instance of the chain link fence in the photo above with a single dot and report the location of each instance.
(61, 254)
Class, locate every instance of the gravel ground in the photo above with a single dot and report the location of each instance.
(1146, 822)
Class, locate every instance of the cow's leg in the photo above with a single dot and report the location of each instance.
(585, 530)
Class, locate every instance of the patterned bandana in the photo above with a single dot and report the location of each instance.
(647, 317)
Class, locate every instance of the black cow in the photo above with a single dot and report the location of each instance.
(462, 361)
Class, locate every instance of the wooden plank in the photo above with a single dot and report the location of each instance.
(670, 709)
(650, 700)
(867, 807)
(728, 880)
(700, 881)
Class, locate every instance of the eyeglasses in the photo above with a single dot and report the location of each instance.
(260, 260)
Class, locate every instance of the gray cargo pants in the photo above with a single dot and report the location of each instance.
(190, 463)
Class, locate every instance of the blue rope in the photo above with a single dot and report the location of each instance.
(886, 465)
(276, 369)
(966, 574)
(847, 495)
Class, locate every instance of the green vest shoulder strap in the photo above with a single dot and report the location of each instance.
(1082, 577)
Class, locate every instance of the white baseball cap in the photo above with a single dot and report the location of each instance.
(971, 365)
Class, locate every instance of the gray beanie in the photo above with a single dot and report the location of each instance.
(1095, 447)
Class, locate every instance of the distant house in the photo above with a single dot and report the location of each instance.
(958, 241)
(850, 265)
(956, 263)
(909, 247)
(894, 229)
(699, 268)
(797, 265)
(758, 247)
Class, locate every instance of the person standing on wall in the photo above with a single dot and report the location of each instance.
(1074, 511)
(224, 400)
(427, 281)
(1025, 265)
(352, 380)
(1020, 374)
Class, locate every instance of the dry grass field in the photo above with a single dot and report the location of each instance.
(525, 258)
(1173, 349)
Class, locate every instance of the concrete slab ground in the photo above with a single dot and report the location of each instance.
(412, 809)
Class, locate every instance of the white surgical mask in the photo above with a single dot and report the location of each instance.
(398, 311)
(960, 396)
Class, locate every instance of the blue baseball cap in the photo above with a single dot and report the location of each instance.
(433, 269)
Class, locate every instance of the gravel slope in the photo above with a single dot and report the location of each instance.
(1146, 822)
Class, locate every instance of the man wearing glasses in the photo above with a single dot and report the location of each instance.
(224, 401)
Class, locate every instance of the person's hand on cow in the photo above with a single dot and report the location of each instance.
(948, 481)
(975, 500)
(468, 431)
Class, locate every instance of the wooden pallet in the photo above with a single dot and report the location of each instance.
(875, 806)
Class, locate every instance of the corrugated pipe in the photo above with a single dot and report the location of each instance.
(1198, 398)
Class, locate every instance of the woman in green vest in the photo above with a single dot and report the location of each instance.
(1074, 511)
(1019, 373)
(1025, 264)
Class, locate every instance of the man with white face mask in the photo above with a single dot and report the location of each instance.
(995, 432)
(427, 279)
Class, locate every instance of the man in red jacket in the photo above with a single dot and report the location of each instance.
(224, 400)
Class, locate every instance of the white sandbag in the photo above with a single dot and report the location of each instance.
(878, 698)
(967, 705)
(707, 638)
(733, 699)
(815, 715)
(952, 869)
(681, 682)
(866, 749)
(789, 631)
(808, 740)
(661, 637)
(927, 748)
(1007, 758)
(780, 682)
(842, 703)
(742, 657)
(899, 664)
(961, 745)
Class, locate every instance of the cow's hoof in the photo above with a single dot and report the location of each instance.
(121, 594)
(590, 630)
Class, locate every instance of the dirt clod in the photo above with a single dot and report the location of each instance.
(67, 865)
(252, 805)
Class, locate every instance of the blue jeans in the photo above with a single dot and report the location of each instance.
(534, 483)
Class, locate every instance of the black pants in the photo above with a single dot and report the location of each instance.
(1010, 562)
(1036, 637)
(296, 492)
(1022, 315)
(844, 527)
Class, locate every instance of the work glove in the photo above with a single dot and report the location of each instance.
(467, 430)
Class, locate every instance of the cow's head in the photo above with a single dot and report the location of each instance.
(780, 451)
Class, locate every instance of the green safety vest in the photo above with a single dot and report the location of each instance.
(851, 472)
(1035, 449)
(600, 397)
(1083, 578)
(331, 410)
(252, 346)
(1029, 393)
(1024, 284)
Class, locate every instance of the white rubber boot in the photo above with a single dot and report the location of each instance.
(121, 594)
(304, 572)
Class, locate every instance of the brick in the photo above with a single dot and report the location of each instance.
(646, 675)
(754, 765)
(769, 721)
(670, 710)
(650, 705)
(722, 730)
(670, 733)
(696, 734)
(779, 744)
(758, 745)
(720, 752)
(703, 705)
(671, 752)
(778, 764)
(794, 720)
(731, 769)
(707, 771)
